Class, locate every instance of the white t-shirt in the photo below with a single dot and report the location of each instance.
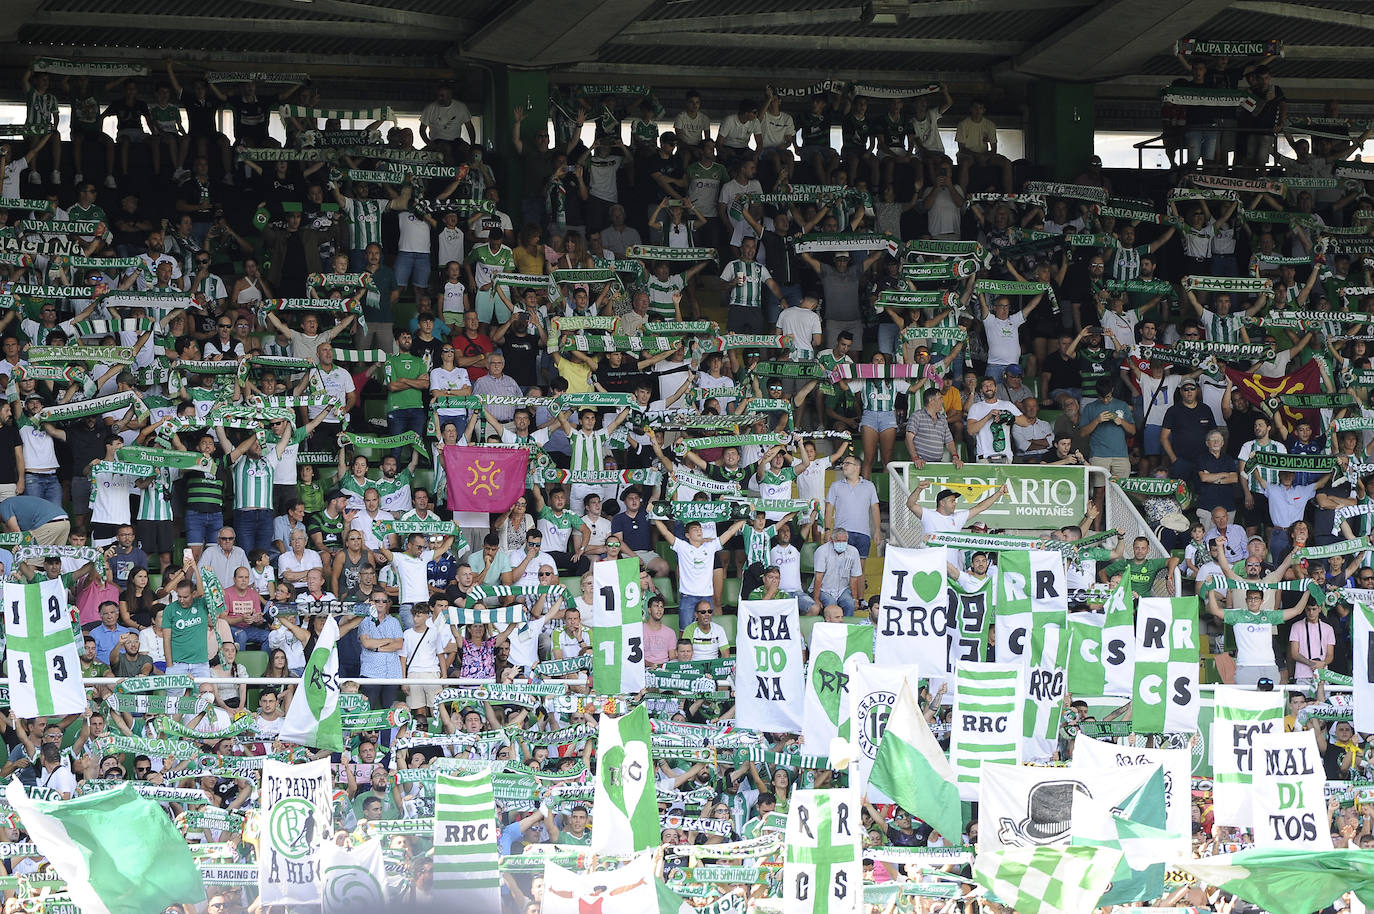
(1004, 343)
(778, 130)
(799, 324)
(531, 575)
(524, 641)
(706, 645)
(421, 650)
(736, 133)
(811, 482)
(455, 297)
(412, 576)
(12, 173)
(445, 122)
(337, 383)
(363, 524)
(695, 567)
(451, 247)
(933, 521)
(415, 238)
(990, 442)
(788, 560)
(927, 131)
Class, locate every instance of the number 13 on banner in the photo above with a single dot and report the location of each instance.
(617, 628)
(43, 667)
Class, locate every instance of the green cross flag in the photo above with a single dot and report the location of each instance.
(823, 872)
(43, 666)
(617, 628)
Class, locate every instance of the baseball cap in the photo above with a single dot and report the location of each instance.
(335, 493)
(1012, 369)
(1255, 539)
(946, 493)
(1094, 160)
(842, 255)
(1187, 384)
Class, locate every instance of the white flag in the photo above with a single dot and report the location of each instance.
(313, 718)
(1363, 637)
(627, 890)
(1178, 770)
(986, 726)
(874, 691)
(1239, 715)
(822, 872)
(1290, 796)
(913, 622)
(354, 878)
(296, 822)
(769, 673)
(43, 663)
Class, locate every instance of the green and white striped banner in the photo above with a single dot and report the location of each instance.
(465, 851)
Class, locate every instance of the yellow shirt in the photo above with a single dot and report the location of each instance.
(525, 262)
(577, 373)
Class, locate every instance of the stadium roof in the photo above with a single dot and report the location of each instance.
(371, 48)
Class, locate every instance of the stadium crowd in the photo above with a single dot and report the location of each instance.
(322, 327)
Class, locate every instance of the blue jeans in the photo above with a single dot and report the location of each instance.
(249, 634)
(411, 267)
(687, 608)
(254, 528)
(400, 421)
(887, 338)
(202, 527)
(844, 600)
(44, 485)
(861, 542)
(195, 670)
(804, 601)
(995, 371)
(1202, 144)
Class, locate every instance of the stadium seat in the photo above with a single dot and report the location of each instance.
(808, 557)
(808, 623)
(665, 587)
(730, 593)
(881, 483)
(255, 662)
(574, 585)
(730, 624)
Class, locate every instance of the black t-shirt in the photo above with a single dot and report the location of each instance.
(127, 115)
(1188, 429)
(124, 225)
(670, 167)
(9, 466)
(198, 195)
(250, 117)
(1064, 373)
(815, 129)
(619, 380)
(920, 834)
(295, 266)
(427, 349)
(522, 355)
(200, 113)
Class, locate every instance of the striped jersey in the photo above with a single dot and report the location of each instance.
(588, 449)
(252, 483)
(42, 109)
(661, 296)
(156, 501)
(1223, 328)
(1126, 261)
(364, 222)
(878, 396)
(758, 544)
(748, 294)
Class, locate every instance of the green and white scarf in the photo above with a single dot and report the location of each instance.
(705, 484)
(1201, 46)
(97, 407)
(358, 355)
(37, 206)
(491, 592)
(109, 355)
(683, 445)
(597, 322)
(152, 300)
(465, 206)
(1228, 284)
(1142, 286)
(86, 67)
(745, 341)
(676, 328)
(404, 170)
(242, 76)
(556, 669)
(844, 241)
(1191, 97)
(707, 511)
(947, 336)
(54, 227)
(1228, 351)
(898, 299)
(272, 154)
(1298, 463)
(333, 114)
(73, 374)
(380, 442)
(27, 290)
(939, 271)
(669, 254)
(1072, 191)
(984, 542)
(936, 248)
(591, 275)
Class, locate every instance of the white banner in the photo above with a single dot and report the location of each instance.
(1023, 806)
(913, 620)
(874, 690)
(1364, 668)
(1240, 715)
(40, 651)
(1030, 585)
(829, 687)
(986, 725)
(822, 872)
(1046, 675)
(769, 672)
(1290, 797)
(1165, 696)
(1178, 769)
(296, 823)
(354, 878)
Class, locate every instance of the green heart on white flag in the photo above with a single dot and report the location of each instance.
(354, 877)
(625, 800)
(313, 718)
(828, 686)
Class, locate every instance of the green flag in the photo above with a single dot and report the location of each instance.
(1047, 880)
(912, 769)
(313, 718)
(1288, 881)
(625, 801)
(670, 902)
(1144, 806)
(118, 852)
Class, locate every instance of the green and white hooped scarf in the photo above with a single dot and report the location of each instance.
(1228, 284)
(86, 68)
(485, 592)
(336, 114)
(243, 76)
(97, 407)
(670, 254)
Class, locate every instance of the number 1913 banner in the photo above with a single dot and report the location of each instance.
(43, 666)
(617, 628)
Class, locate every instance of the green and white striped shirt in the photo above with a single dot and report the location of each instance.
(878, 396)
(588, 449)
(758, 544)
(252, 484)
(1223, 328)
(750, 294)
(661, 297)
(156, 503)
(42, 109)
(364, 222)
